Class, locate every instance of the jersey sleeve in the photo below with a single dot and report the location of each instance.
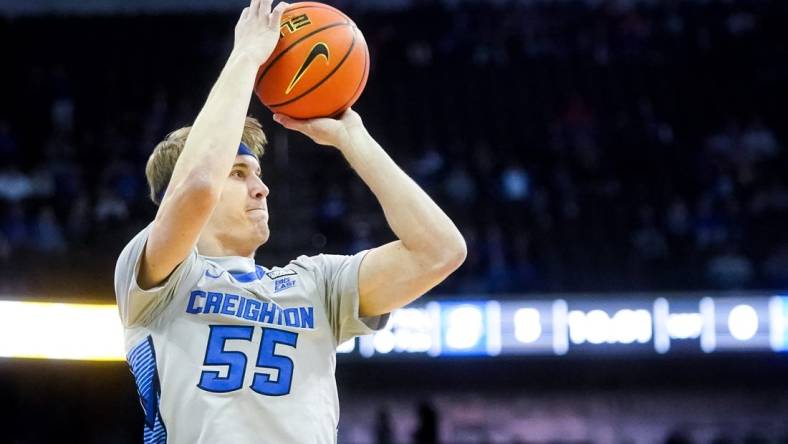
(137, 306)
(339, 273)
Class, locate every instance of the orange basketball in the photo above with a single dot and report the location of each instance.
(320, 66)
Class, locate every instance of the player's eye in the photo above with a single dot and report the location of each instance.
(237, 173)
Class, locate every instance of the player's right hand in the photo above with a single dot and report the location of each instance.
(257, 31)
(325, 131)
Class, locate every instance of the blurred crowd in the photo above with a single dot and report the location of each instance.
(579, 146)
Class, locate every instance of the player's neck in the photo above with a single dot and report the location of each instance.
(208, 245)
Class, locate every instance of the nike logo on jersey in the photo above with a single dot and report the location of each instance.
(214, 274)
(320, 49)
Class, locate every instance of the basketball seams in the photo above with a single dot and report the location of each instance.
(314, 87)
(293, 49)
(292, 45)
(318, 6)
(360, 85)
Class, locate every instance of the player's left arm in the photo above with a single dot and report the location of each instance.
(430, 247)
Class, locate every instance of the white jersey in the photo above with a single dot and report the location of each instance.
(226, 351)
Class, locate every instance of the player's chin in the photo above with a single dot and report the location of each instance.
(262, 232)
(264, 238)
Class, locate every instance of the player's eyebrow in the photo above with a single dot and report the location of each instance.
(257, 170)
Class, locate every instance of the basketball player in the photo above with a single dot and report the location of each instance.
(224, 350)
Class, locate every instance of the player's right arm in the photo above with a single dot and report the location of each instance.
(210, 149)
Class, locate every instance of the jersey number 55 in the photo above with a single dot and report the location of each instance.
(215, 354)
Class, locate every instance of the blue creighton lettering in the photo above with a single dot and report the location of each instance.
(239, 313)
(291, 317)
(307, 317)
(279, 316)
(228, 307)
(251, 310)
(192, 306)
(213, 303)
(266, 314)
(202, 302)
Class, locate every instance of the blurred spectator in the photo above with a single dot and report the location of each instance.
(759, 142)
(8, 145)
(515, 183)
(110, 208)
(730, 269)
(459, 187)
(47, 233)
(14, 185)
(62, 111)
(427, 428)
(648, 240)
(78, 223)
(383, 433)
(14, 226)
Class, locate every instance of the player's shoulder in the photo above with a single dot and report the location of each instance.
(133, 247)
(305, 265)
(326, 263)
(317, 261)
(301, 264)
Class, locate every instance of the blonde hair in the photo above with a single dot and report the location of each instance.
(161, 162)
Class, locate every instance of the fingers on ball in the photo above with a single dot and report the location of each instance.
(265, 7)
(276, 15)
(254, 8)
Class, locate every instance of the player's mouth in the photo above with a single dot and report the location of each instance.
(258, 213)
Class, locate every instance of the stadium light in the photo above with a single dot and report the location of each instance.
(60, 331)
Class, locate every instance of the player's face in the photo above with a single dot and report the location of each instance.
(241, 217)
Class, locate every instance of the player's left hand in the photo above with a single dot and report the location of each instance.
(325, 131)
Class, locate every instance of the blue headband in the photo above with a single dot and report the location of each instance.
(243, 150)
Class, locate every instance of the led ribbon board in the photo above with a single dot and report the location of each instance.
(629, 325)
(674, 324)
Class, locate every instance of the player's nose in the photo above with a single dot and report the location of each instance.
(258, 189)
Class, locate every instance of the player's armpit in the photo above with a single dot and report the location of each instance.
(391, 276)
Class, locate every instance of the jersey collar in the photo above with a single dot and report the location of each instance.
(242, 269)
